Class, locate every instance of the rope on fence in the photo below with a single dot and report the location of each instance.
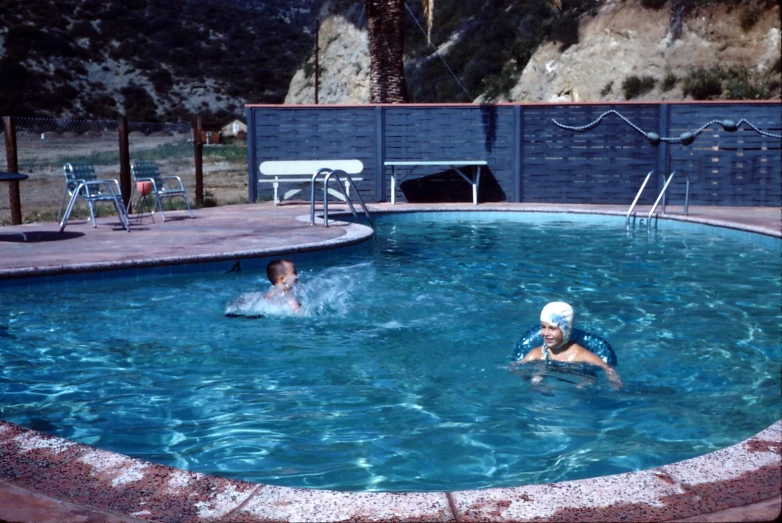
(685, 138)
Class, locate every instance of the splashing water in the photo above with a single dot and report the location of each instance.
(330, 292)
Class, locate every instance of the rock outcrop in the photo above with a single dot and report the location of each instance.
(344, 58)
(621, 39)
(625, 39)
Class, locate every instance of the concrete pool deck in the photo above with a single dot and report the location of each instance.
(48, 479)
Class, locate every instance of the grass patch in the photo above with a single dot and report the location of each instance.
(232, 153)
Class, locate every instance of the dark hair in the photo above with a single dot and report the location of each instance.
(275, 269)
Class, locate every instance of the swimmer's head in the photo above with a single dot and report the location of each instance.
(282, 272)
(559, 314)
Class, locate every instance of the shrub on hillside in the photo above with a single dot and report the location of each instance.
(634, 86)
(743, 83)
(654, 4)
(733, 83)
(161, 80)
(669, 82)
(139, 105)
(749, 17)
(702, 83)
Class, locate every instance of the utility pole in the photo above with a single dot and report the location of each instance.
(317, 60)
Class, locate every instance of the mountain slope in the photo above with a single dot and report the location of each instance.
(149, 59)
(510, 50)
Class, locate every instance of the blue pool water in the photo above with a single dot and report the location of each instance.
(395, 375)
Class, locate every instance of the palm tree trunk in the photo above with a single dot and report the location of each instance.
(386, 49)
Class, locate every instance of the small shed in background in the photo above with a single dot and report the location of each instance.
(234, 129)
(210, 133)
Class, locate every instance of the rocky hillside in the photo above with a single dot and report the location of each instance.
(589, 51)
(171, 59)
(149, 59)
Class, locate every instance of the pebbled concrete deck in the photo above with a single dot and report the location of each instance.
(48, 479)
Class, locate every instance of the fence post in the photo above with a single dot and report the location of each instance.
(252, 159)
(124, 161)
(518, 147)
(380, 170)
(317, 59)
(198, 157)
(12, 162)
(663, 151)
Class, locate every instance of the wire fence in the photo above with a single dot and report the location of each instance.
(45, 145)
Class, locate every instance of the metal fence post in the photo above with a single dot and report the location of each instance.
(198, 156)
(124, 161)
(12, 162)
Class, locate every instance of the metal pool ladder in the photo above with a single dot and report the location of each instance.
(661, 196)
(337, 174)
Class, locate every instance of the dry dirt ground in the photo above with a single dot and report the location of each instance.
(225, 179)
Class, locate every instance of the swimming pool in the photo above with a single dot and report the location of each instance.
(304, 400)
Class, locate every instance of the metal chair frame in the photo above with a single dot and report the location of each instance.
(82, 182)
(150, 172)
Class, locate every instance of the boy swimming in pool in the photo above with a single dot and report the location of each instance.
(556, 325)
(283, 275)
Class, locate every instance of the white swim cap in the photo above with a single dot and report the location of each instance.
(560, 314)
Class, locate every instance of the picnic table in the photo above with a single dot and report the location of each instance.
(453, 164)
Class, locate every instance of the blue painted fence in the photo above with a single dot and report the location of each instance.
(563, 153)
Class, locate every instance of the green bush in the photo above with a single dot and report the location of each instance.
(634, 86)
(734, 83)
(749, 17)
(703, 84)
(654, 4)
(669, 82)
(607, 88)
(500, 84)
(564, 29)
(742, 83)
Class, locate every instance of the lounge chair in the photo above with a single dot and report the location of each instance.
(150, 172)
(82, 182)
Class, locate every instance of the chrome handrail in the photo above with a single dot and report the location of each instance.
(661, 196)
(637, 196)
(336, 172)
(340, 184)
(315, 175)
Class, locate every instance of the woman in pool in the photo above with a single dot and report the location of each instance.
(556, 325)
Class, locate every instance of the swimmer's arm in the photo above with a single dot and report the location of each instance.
(533, 355)
(295, 305)
(590, 357)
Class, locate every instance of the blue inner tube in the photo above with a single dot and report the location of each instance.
(600, 347)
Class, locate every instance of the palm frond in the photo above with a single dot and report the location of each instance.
(429, 15)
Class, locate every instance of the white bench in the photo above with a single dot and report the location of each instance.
(300, 172)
